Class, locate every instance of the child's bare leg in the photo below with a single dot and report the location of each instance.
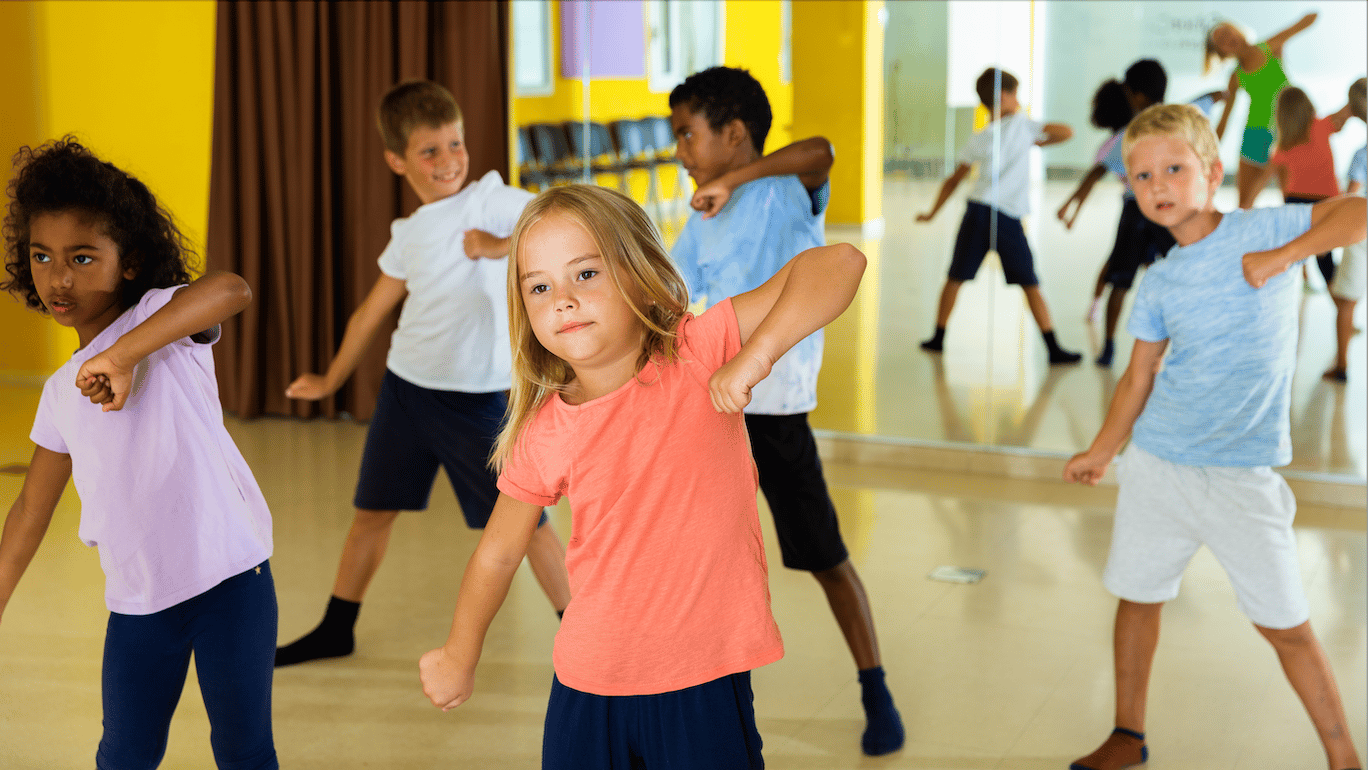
(362, 553)
(849, 603)
(1041, 312)
(1250, 180)
(947, 303)
(1344, 331)
(1304, 662)
(546, 557)
(1134, 640)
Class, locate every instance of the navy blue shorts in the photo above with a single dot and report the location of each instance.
(231, 630)
(413, 431)
(975, 239)
(1138, 242)
(790, 471)
(705, 727)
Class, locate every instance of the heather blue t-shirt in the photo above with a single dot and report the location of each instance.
(1223, 395)
(766, 223)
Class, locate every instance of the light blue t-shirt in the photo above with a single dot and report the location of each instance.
(766, 223)
(1224, 393)
(1358, 167)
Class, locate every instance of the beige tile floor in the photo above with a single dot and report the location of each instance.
(1011, 673)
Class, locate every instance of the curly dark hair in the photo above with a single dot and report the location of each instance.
(1111, 108)
(724, 94)
(62, 175)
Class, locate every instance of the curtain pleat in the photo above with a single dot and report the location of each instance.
(300, 198)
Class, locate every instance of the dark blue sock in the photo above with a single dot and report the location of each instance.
(1108, 350)
(883, 726)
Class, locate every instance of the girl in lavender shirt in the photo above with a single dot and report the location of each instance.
(182, 529)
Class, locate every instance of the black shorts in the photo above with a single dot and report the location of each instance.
(1138, 242)
(791, 477)
(413, 431)
(975, 238)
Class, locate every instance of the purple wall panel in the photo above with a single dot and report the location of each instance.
(617, 38)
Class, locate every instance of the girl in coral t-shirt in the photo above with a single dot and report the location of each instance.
(631, 407)
(1303, 161)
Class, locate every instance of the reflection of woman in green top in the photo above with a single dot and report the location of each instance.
(1260, 74)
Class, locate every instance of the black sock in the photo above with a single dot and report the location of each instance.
(560, 614)
(883, 725)
(1059, 355)
(1108, 350)
(333, 638)
(936, 342)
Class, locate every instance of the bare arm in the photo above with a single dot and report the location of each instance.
(1054, 134)
(1132, 392)
(1229, 104)
(30, 516)
(1080, 195)
(809, 292)
(947, 189)
(365, 321)
(810, 159)
(1338, 119)
(1334, 222)
(448, 672)
(478, 243)
(1276, 42)
(202, 305)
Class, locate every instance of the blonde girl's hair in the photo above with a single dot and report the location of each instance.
(1180, 120)
(641, 270)
(1210, 55)
(1356, 97)
(1294, 115)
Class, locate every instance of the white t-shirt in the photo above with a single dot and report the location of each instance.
(453, 331)
(166, 497)
(1009, 162)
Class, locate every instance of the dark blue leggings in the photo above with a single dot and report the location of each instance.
(231, 629)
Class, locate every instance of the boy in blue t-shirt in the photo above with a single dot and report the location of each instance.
(754, 215)
(1211, 423)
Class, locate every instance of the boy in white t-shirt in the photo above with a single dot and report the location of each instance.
(1000, 197)
(449, 367)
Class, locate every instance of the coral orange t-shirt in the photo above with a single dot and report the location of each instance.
(1310, 165)
(667, 567)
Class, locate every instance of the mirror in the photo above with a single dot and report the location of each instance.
(992, 386)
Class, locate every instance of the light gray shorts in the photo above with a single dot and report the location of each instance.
(1352, 273)
(1165, 511)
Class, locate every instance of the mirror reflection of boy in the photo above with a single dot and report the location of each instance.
(997, 202)
(1210, 422)
(755, 212)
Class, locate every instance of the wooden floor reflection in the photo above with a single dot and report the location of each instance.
(1013, 672)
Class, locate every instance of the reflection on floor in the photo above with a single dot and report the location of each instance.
(1013, 672)
(992, 385)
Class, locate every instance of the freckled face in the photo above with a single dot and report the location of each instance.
(435, 163)
(1171, 186)
(575, 309)
(76, 271)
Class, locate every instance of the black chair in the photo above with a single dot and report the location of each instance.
(636, 150)
(553, 154)
(602, 156)
(530, 173)
(661, 133)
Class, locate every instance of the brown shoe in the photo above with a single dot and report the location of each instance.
(1123, 748)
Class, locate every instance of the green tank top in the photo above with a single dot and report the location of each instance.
(1263, 86)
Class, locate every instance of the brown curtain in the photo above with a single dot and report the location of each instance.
(300, 199)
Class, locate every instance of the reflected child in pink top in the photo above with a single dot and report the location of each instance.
(630, 407)
(1303, 160)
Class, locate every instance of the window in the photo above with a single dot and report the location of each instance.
(685, 37)
(532, 47)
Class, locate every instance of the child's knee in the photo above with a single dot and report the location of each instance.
(1298, 636)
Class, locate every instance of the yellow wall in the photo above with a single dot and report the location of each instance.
(133, 80)
(838, 66)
